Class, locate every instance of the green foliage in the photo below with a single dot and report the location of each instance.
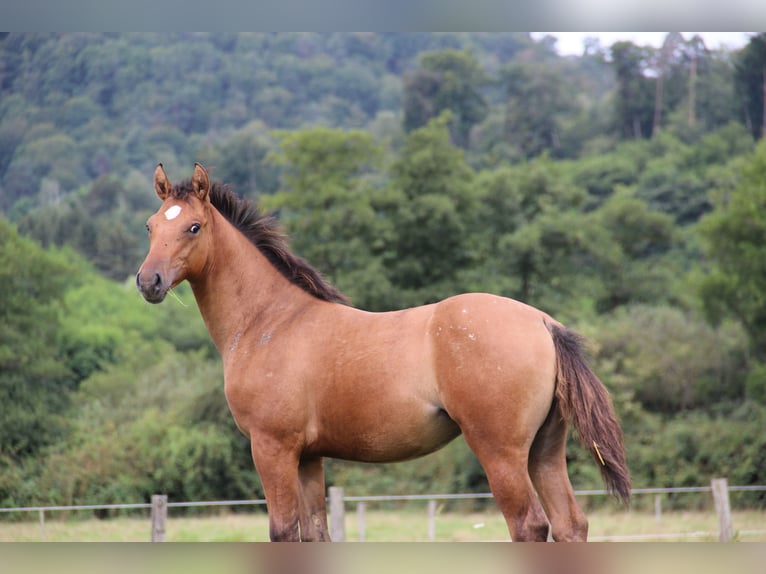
(134, 437)
(34, 381)
(671, 361)
(633, 114)
(530, 245)
(433, 210)
(755, 384)
(537, 98)
(241, 160)
(692, 449)
(751, 77)
(108, 399)
(736, 241)
(446, 80)
(328, 204)
(601, 174)
(631, 252)
(105, 225)
(639, 231)
(323, 156)
(101, 319)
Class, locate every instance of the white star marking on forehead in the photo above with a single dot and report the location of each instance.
(172, 212)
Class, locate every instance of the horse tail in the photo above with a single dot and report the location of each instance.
(584, 400)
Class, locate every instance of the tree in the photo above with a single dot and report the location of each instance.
(600, 174)
(634, 102)
(631, 266)
(670, 56)
(241, 161)
(696, 47)
(735, 234)
(54, 155)
(432, 212)
(102, 225)
(537, 96)
(672, 188)
(34, 380)
(327, 202)
(530, 244)
(751, 81)
(715, 102)
(671, 360)
(139, 431)
(446, 80)
(11, 135)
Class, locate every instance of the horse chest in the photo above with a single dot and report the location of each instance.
(260, 394)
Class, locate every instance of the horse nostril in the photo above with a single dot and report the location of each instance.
(147, 283)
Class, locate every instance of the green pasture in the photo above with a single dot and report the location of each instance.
(380, 526)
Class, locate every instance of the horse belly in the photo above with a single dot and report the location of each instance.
(388, 435)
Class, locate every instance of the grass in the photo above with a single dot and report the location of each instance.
(380, 525)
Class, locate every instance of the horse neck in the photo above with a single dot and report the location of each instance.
(240, 288)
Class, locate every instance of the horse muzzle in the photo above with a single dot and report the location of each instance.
(152, 286)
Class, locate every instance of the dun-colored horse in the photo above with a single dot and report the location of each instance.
(308, 377)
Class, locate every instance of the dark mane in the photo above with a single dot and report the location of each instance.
(263, 231)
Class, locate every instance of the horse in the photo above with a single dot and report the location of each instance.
(307, 376)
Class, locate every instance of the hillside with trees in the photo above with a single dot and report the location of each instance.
(621, 191)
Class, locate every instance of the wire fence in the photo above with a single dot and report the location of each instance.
(337, 509)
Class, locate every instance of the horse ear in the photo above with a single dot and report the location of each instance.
(200, 182)
(161, 183)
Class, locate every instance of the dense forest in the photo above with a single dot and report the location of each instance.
(622, 191)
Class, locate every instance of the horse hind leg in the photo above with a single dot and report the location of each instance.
(506, 470)
(512, 489)
(548, 471)
(503, 452)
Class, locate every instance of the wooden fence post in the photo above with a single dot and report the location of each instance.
(658, 509)
(42, 524)
(159, 516)
(431, 520)
(337, 515)
(723, 509)
(360, 519)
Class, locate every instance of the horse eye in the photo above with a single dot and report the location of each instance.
(194, 229)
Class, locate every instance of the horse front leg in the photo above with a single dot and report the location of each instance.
(313, 510)
(279, 477)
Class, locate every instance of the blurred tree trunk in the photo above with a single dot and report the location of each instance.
(633, 106)
(692, 91)
(665, 59)
(763, 101)
(750, 78)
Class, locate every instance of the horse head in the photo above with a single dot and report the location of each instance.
(179, 234)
